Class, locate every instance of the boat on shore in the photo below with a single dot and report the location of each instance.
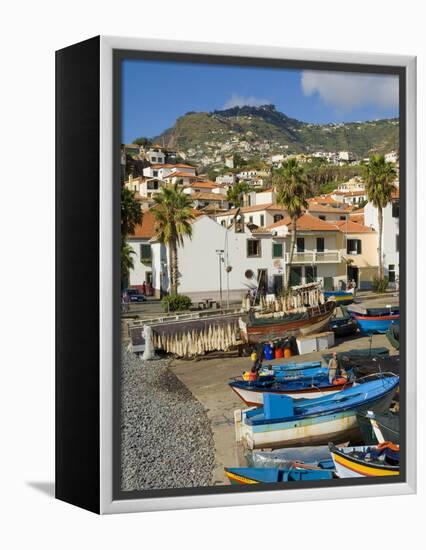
(252, 392)
(341, 297)
(286, 422)
(388, 424)
(366, 461)
(393, 335)
(252, 476)
(374, 320)
(305, 321)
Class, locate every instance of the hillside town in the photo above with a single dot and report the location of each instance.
(241, 234)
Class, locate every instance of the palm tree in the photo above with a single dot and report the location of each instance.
(126, 261)
(173, 214)
(292, 190)
(131, 215)
(235, 193)
(379, 176)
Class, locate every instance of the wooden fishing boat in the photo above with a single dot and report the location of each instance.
(287, 422)
(251, 476)
(309, 320)
(252, 392)
(293, 371)
(341, 297)
(387, 422)
(368, 461)
(374, 320)
(393, 335)
(342, 323)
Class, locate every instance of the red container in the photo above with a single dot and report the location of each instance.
(279, 353)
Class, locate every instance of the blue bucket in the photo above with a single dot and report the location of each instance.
(268, 352)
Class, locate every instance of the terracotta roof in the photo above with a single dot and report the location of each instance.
(205, 184)
(357, 212)
(353, 227)
(256, 208)
(322, 199)
(306, 222)
(145, 230)
(208, 196)
(179, 175)
(359, 218)
(329, 209)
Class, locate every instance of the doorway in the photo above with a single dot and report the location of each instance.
(295, 275)
(262, 281)
(353, 274)
(278, 285)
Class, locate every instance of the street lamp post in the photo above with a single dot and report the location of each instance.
(219, 253)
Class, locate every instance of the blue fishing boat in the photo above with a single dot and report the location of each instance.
(375, 320)
(308, 387)
(341, 297)
(291, 371)
(287, 422)
(251, 476)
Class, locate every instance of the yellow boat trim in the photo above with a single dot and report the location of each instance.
(240, 479)
(361, 469)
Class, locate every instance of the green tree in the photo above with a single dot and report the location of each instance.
(379, 177)
(143, 141)
(173, 214)
(126, 262)
(292, 190)
(235, 193)
(131, 215)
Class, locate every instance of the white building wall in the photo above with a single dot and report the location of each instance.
(390, 234)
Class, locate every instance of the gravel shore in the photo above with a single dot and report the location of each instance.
(166, 440)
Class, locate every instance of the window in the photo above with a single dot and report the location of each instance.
(277, 250)
(354, 246)
(145, 253)
(391, 273)
(320, 244)
(300, 244)
(250, 219)
(253, 248)
(322, 218)
(155, 173)
(278, 217)
(311, 273)
(223, 223)
(397, 243)
(262, 220)
(154, 159)
(395, 209)
(343, 218)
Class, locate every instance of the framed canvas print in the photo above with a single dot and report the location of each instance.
(236, 253)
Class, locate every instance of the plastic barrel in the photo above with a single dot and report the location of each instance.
(287, 352)
(279, 353)
(268, 352)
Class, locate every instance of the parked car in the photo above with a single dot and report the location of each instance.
(135, 295)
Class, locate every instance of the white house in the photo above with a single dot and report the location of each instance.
(390, 235)
(260, 215)
(216, 257)
(226, 179)
(155, 155)
(392, 156)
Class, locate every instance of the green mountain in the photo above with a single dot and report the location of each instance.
(267, 127)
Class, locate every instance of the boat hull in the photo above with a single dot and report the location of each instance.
(318, 429)
(258, 333)
(375, 325)
(340, 427)
(342, 298)
(254, 397)
(349, 467)
(253, 476)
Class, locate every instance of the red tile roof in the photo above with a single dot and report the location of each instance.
(179, 175)
(353, 227)
(306, 222)
(145, 230)
(256, 208)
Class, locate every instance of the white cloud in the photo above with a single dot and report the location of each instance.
(241, 101)
(346, 91)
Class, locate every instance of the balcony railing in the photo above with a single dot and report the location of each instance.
(330, 257)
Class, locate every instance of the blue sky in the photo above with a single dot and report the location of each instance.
(156, 93)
